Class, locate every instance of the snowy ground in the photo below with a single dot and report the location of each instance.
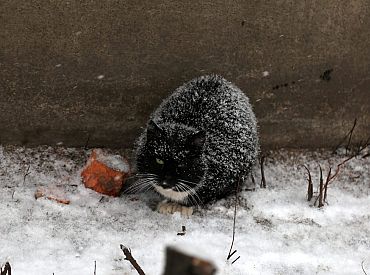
(277, 232)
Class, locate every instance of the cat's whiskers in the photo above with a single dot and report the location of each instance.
(145, 176)
(186, 182)
(191, 189)
(143, 184)
(181, 188)
(192, 194)
(137, 187)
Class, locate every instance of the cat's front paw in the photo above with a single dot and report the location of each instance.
(172, 207)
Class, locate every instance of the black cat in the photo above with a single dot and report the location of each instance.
(198, 144)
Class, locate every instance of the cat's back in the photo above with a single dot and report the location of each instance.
(209, 102)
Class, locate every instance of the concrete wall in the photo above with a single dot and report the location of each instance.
(70, 69)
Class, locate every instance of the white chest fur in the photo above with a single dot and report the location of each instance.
(171, 194)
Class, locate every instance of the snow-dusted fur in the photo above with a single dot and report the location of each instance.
(220, 109)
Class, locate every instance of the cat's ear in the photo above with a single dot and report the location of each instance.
(153, 130)
(197, 139)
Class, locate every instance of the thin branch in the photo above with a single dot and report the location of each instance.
(263, 180)
(310, 185)
(253, 180)
(7, 269)
(326, 185)
(232, 254)
(235, 260)
(345, 137)
(350, 135)
(234, 222)
(338, 168)
(362, 266)
(131, 259)
(362, 146)
(87, 142)
(94, 267)
(183, 231)
(345, 161)
(321, 189)
(26, 174)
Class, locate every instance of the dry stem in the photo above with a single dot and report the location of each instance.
(7, 270)
(232, 242)
(363, 269)
(263, 180)
(131, 259)
(310, 185)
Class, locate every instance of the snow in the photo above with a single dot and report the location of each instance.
(265, 73)
(277, 230)
(115, 162)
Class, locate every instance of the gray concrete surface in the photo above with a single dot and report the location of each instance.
(72, 71)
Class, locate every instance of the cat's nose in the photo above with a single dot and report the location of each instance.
(165, 184)
(168, 182)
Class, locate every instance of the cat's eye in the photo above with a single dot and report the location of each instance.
(159, 161)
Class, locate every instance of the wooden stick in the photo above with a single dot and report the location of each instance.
(131, 259)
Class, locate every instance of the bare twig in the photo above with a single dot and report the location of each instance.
(326, 184)
(350, 135)
(231, 253)
(87, 142)
(183, 232)
(362, 145)
(235, 260)
(131, 259)
(346, 160)
(94, 267)
(7, 269)
(26, 174)
(253, 180)
(310, 185)
(263, 180)
(321, 189)
(338, 168)
(362, 266)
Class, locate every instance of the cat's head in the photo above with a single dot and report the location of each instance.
(170, 160)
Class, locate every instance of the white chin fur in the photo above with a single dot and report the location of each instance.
(171, 194)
